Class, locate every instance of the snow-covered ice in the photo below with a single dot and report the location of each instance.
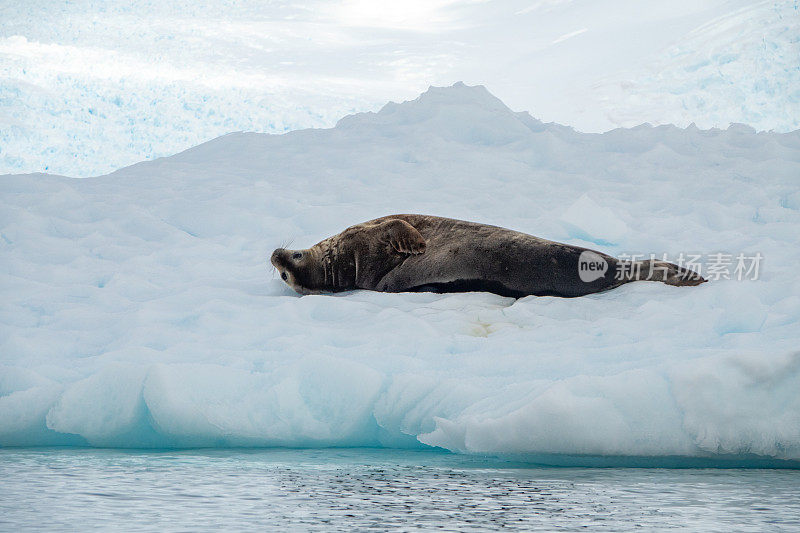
(139, 308)
(87, 87)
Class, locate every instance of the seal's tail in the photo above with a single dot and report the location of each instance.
(652, 270)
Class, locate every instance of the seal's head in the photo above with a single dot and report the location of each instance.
(300, 269)
(358, 257)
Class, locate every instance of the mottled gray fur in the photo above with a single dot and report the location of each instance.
(401, 253)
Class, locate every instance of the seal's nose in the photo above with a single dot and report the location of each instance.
(276, 257)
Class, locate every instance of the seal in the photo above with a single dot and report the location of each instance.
(413, 253)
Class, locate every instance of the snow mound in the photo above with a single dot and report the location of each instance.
(587, 220)
(88, 87)
(139, 309)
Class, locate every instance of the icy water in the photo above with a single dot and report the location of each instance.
(357, 489)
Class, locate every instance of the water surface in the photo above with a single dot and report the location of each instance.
(358, 489)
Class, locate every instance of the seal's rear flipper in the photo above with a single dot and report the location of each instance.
(402, 236)
(669, 273)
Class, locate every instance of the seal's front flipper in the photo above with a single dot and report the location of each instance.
(402, 236)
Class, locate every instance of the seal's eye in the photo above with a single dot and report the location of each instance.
(284, 277)
(297, 255)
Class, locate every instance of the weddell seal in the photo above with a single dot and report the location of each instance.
(414, 253)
